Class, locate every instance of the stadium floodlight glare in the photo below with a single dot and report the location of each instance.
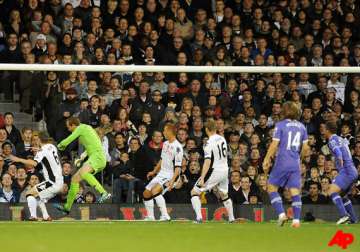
(173, 69)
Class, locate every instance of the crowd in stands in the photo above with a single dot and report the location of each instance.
(130, 109)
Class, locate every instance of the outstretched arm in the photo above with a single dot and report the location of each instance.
(64, 143)
(29, 162)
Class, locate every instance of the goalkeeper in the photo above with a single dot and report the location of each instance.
(96, 161)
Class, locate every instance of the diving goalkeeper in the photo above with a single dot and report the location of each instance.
(95, 163)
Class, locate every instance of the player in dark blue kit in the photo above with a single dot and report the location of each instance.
(346, 177)
(289, 141)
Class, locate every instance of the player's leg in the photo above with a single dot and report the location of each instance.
(152, 187)
(227, 204)
(86, 173)
(160, 201)
(277, 179)
(349, 208)
(44, 196)
(277, 204)
(196, 202)
(334, 191)
(296, 206)
(93, 165)
(43, 209)
(195, 198)
(32, 203)
(210, 183)
(294, 184)
(73, 191)
(149, 204)
(222, 188)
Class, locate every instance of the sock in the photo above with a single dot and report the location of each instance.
(43, 209)
(229, 207)
(339, 204)
(349, 208)
(73, 191)
(32, 204)
(149, 205)
(195, 201)
(160, 201)
(296, 206)
(276, 202)
(92, 181)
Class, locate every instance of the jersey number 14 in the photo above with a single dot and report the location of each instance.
(293, 141)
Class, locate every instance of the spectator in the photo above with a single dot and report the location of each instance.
(245, 191)
(92, 115)
(27, 81)
(153, 148)
(3, 138)
(124, 180)
(235, 187)
(21, 180)
(141, 103)
(90, 198)
(261, 183)
(11, 54)
(114, 92)
(143, 133)
(195, 95)
(125, 125)
(70, 105)
(157, 110)
(67, 171)
(7, 193)
(314, 196)
(32, 181)
(325, 184)
(14, 135)
(233, 144)
(197, 131)
(119, 147)
(138, 161)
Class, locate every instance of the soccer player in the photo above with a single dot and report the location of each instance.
(215, 155)
(289, 141)
(52, 171)
(95, 163)
(346, 177)
(167, 172)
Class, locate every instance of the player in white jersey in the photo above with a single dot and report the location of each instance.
(215, 155)
(167, 171)
(53, 178)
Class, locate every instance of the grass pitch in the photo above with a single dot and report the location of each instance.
(173, 236)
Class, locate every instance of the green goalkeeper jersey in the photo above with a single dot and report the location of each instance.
(87, 137)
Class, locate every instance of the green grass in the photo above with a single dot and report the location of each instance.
(170, 237)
